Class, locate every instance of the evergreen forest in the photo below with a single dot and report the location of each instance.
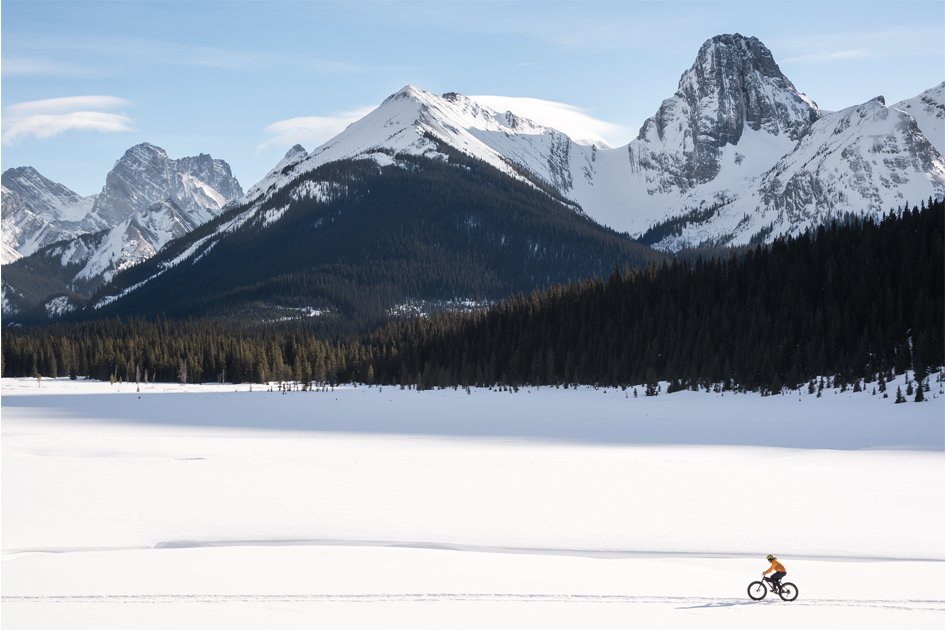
(858, 299)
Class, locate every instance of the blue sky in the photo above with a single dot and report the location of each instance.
(84, 80)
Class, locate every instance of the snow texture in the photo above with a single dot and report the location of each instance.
(212, 504)
(928, 110)
(737, 142)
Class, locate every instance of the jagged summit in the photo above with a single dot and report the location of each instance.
(145, 175)
(50, 198)
(148, 199)
(733, 86)
(38, 211)
(409, 91)
(295, 151)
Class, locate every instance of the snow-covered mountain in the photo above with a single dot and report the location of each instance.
(733, 88)
(145, 175)
(135, 239)
(863, 159)
(38, 211)
(416, 122)
(928, 110)
(148, 199)
(737, 154)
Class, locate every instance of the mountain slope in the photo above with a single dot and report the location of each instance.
(145, 175)
(866, 159)
(707, 168)
(413, 122)
(37, 211)
(148, 199)
(354, 239)
(734, 86)
(928, 110)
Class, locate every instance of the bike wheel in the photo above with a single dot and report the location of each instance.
(788, 591)
(757, 590)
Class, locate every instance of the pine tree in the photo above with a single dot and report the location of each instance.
(899, 397)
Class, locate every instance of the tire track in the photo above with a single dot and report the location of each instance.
(681, 602)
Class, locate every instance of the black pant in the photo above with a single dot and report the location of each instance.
(776, 577)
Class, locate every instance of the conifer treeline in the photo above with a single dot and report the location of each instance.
(852, 299)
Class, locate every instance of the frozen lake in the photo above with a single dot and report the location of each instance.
(213, 506)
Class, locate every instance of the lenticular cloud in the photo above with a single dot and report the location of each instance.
(309, 130)
(50, 117)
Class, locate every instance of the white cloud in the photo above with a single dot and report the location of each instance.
(575, 121)
(66, 104)
(310, 131)
(50, 117)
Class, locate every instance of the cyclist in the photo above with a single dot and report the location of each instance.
(779, 572)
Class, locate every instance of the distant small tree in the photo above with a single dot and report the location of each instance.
(182, 372)
(899, 397)
(919, 393)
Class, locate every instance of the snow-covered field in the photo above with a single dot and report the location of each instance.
(210, 506)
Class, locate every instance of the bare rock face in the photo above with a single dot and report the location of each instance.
(868, 156)
(148, 199)
(145, 175)
(734, 84)
(38, 211)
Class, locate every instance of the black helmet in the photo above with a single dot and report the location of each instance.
(770, 556)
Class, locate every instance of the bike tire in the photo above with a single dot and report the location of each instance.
(757, 590)
(788, 591)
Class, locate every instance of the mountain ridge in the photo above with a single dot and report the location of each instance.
(737, 155)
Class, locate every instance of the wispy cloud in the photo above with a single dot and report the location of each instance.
(827, 56)
(38, 66)
(118, 51)
(309, 131)
(575, 121)
(50, 117)
(854, 44)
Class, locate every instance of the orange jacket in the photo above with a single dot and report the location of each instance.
(776, 566)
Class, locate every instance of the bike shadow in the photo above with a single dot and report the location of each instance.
(727, 604)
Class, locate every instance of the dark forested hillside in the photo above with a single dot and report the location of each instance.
(853, 300)
(850, 300)
(423, 230)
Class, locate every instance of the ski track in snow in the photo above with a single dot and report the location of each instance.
(679, 602)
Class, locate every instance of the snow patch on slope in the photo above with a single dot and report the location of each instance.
(59, 306)
(928, 110)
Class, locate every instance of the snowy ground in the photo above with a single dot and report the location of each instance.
(212, 506)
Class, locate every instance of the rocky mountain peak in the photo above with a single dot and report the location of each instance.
(45, 196)
(145, 175)
(37, 211)
(734, 85)
(296, 151)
